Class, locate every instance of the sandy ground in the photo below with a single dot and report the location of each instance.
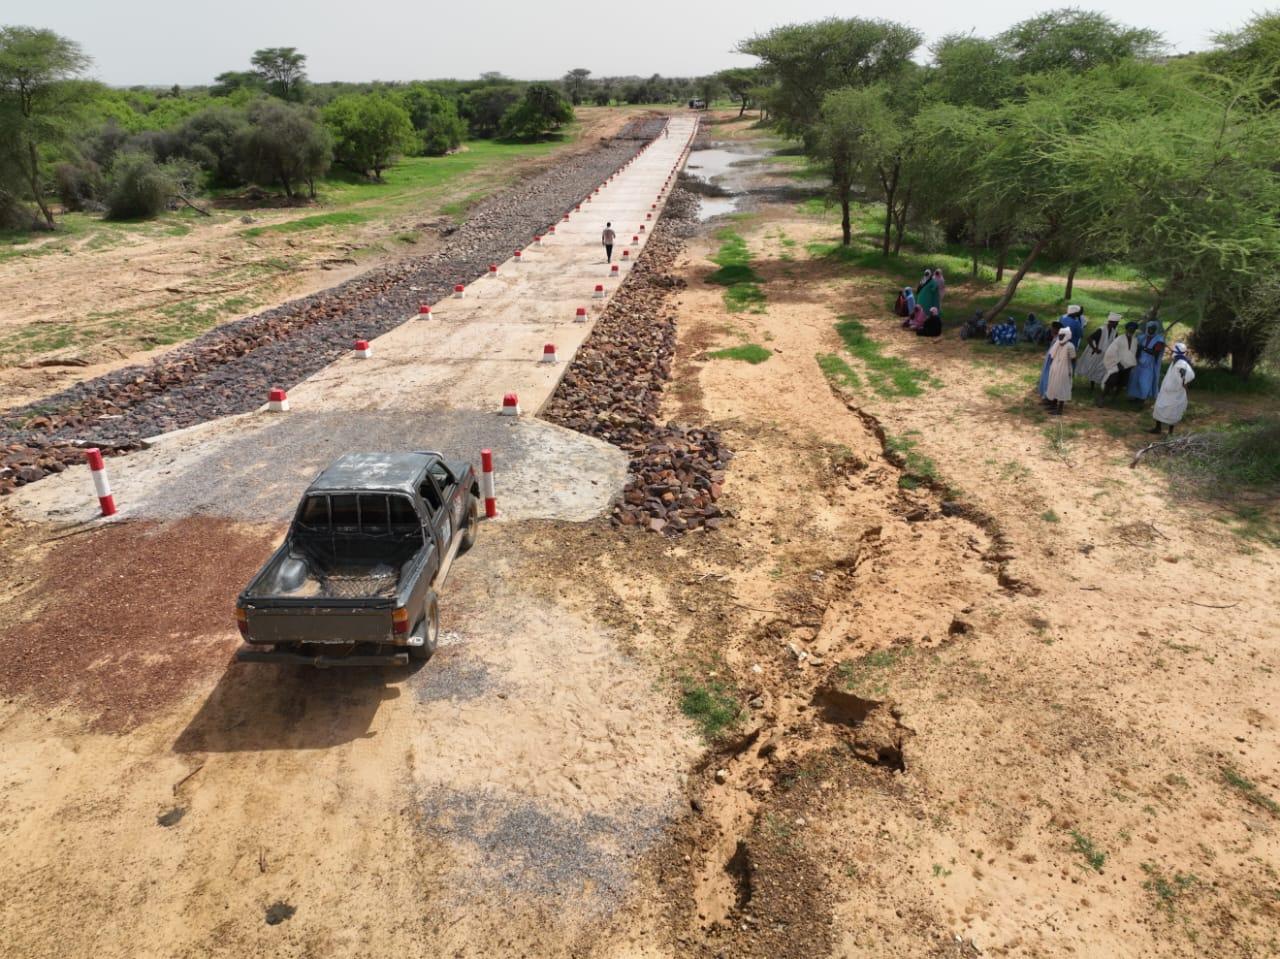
(119, 287)
(964, 729)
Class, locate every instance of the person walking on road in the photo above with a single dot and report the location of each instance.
(607, 238)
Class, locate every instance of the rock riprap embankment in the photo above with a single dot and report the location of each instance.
(613, 391)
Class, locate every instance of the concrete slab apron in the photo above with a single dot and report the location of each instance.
(436, 384)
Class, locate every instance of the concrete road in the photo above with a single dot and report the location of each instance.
(434, 384)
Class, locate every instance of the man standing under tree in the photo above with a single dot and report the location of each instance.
(607, 238)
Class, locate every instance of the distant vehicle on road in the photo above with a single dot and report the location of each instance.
(697, 104)
(355, 582)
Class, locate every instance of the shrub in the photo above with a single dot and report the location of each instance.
(283, 144)
(209, 139)
(370, 132)
(437, 126)
(541, 111)
(79, 185)
(140, 188)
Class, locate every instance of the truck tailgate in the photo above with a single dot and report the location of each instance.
(319, 624)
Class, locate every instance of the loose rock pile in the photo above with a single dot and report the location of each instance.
(613, 390)
(229, 370)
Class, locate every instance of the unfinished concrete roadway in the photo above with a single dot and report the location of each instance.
(437, 384)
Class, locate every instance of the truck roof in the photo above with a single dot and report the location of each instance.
(375, 472)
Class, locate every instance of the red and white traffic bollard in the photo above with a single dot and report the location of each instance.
(459, 291)
(486, 485)
(551, 229)
(98, 470)
(599, 292)
(581, 315)
(614, 272)
(636, 239)
(511, 405)
(626, 254)
(424, 312)
(363, 350)
(537, 240)
(549, 353)
(641, 228)
(518, 255)
(277, 401)
(493, 269)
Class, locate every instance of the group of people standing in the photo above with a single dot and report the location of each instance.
(922, 307)
(1116, 362)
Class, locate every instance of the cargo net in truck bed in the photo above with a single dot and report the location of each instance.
(378, 581)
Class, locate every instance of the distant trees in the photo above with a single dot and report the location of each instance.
(282, 70)
(436, 124)
(742, 84)
(485, 107)
(577, 85)
(39, 99)
(284, 144)
(540, 111)
(370, 132)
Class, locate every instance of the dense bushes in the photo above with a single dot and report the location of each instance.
(541, 110)
(284, 145)
(369, 132)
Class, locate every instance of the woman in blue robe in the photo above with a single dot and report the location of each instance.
(1145, 378)
(1043, 388)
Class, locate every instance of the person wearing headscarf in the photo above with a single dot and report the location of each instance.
(932, 324)
(916, 320)
(1033, 330)
(1073, 321)
(1061, 356)
(1004, 334)
(1119, 360)
(1143, 381)
(927, 296)
(940, 282)
(1171, 402)
(1043, 389)
(906, 301)
(928, 275)
(1091, 364)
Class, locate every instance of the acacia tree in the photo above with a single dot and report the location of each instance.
(741, 82)
(577, 85)
(851, 136)
(1076, 40)
(808, 61)
(39, 98)
(370, 132)
(1189, 192)
(541, 111)
(282, 69)
(284, 144)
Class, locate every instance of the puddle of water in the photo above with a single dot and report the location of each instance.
(712, 206)
(712, 163)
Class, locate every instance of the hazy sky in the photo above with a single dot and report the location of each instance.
(160, 42)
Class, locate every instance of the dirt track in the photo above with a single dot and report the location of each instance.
(945, 712)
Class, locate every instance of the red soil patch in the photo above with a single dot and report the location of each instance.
(130, 616)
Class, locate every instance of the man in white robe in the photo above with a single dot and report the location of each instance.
(1061, 356)
(1120, 357)
(1171, 401)
(1091, 364)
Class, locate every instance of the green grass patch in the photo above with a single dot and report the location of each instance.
(747, 353)
(314, 222)
(890, 376)
(1240, 454)
(837, 371)
(1094, 858)
(868, 676)
(1249, 790)
(918, 469)
(1049, 516)
(711, 705)
(1221, 381)
(743, 290)
(1166, 890)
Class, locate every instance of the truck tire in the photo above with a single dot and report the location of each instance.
(430, 627)
(473, 525)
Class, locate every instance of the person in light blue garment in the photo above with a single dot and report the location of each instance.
(1073, 322)
(1043, 388)
(1145, 378)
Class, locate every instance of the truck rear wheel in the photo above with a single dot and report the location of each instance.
(473, 525)
(430, 629)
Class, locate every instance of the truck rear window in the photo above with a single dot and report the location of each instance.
(369, 513)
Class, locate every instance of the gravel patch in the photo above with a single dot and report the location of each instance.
(523, 848)
(228, 370)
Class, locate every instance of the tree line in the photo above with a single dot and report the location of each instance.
(1067, 135)
(132, 153)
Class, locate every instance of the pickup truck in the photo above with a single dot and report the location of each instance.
(355, 581)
